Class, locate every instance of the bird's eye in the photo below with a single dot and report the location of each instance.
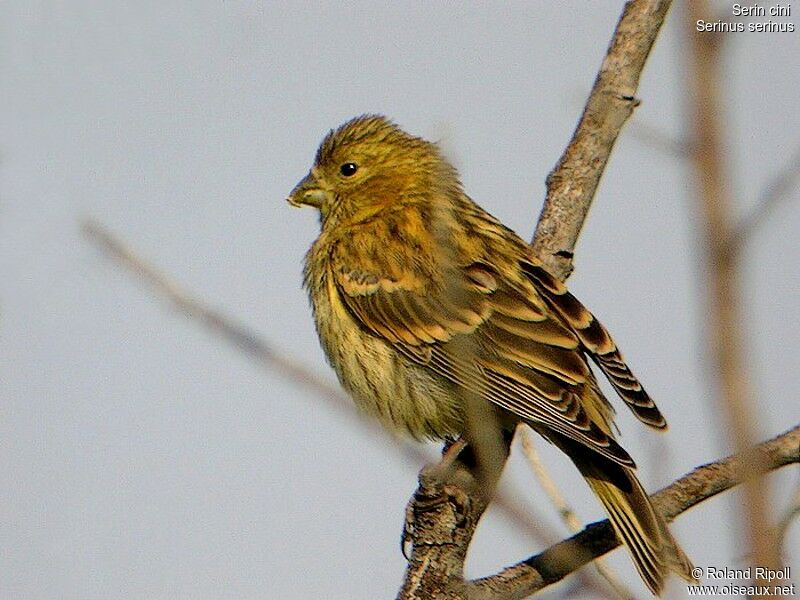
(348, 169)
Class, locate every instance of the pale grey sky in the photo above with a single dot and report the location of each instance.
(143, 458)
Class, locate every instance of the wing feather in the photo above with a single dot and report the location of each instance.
(493, 338)
(597, 342)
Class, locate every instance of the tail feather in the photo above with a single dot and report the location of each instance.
(643, 531)
(637, 527)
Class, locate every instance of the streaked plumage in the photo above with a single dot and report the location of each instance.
(421, 297)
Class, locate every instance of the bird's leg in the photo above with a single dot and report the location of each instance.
(432, 492)
(451, 451)
(445, 487)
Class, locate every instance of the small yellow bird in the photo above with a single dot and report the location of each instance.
(422, 299)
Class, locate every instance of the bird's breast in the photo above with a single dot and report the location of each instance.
(403, 395)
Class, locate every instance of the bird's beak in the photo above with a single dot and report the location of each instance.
(308, 193)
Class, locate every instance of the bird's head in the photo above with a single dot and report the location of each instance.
(367, 165)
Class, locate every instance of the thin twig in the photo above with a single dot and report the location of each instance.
(256, 348)
(566, 512)
(219, 324)
(792, 513)
(657, 138)
(777, 190)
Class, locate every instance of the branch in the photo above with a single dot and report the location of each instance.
(453, 513)
(658, 139)
(727, 339)
(218, 323)
(785, 523)
(777, 190)
(263, 353)
(572, 184)
(446, 512)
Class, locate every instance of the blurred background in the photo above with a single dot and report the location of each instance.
(142, 456)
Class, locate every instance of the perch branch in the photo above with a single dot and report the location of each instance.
(572, 184)
(442, 534)
(455, 514)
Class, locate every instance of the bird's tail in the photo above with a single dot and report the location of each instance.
(643, 531)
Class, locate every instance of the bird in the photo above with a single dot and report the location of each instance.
(424, 302)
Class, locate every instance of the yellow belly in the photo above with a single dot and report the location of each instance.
(403, 395)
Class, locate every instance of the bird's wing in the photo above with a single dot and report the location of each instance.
(494, 338)
(597, 342)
